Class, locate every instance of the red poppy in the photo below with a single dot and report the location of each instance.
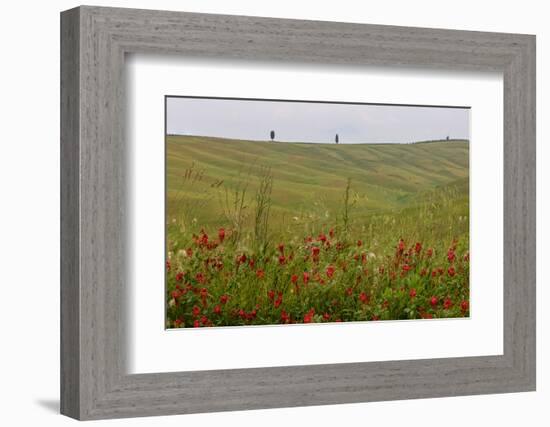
(308, 317)
(200, 277)
(305, 277)
(282, 259)
(364, 298)
(241, 259)
(189, 252)
(279, 300)
(331, 233)
(260, 274)
(359, 243)
(168, 265)
(433, 301)
(423, 272)
(326, 316)
(429, 252)
(221, 234)
(271, 294)
(467, 256)
(281, 247)
(451, 255)
(223, 299)
(330, 271)
(451, 271)
(349, 291)
(196, 311)
(196, 324)
(464, 305)
(177, 322)
(285, 318)
(401, 246)
(315, 251)
(381, 269)
(217, 309)
(322, 238)
(406, 268)
(294, 278)
(412, 293)
(447, 303)
(176, 294)
(417, 247)
(251, 262)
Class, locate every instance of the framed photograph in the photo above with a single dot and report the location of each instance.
(261, 213)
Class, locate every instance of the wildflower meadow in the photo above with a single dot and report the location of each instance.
(262, 233)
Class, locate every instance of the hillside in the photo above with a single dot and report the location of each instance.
(309, 177)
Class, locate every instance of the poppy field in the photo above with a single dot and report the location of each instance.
(263, 233)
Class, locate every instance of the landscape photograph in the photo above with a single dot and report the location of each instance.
(282, 212)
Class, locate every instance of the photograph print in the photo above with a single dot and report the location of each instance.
(283, 212)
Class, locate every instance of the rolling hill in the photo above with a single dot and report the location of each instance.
(202, 171)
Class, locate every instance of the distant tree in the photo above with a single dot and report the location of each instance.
(336, 139)
(272, 135)
(447, 137)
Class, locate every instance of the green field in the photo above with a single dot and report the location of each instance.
(309, 180)
(263, 194)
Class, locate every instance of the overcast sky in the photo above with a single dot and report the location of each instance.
(314, 122)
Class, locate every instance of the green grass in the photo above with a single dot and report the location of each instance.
(266, 193)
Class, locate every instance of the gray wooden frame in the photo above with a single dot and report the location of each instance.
(94, 41)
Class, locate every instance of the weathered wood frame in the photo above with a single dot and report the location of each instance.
(94, 41)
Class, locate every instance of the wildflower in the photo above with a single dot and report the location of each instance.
(217, 309)
(349, 291)
(196, 311)
(241, 259)
(417, 247)
(451, 255)
(331, 233)
(451, 271)
(447, 303)
(412, 293)
(223, 299)
(429, 252)
(251, 263)
(315, 251)
(168, 265)
(294, 278)
(406, 268)
(271, 294)
(177, 322)
(221, 234)
(285, 318)
(364, 298)
(330, 271)
(359, 243)
(322, 238)
(281, 248)
(200, 277)
(308, 317)
(464, 305)
(433, 301)
(279, 300)
(260, 274)
(189, 252)
(196, 324)
(305, 277)
(326, 316)
(282, 260)
(423, 272)
(401, 246)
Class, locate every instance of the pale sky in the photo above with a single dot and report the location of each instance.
(314, 122)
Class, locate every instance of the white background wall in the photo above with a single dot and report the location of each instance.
(29, 214)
